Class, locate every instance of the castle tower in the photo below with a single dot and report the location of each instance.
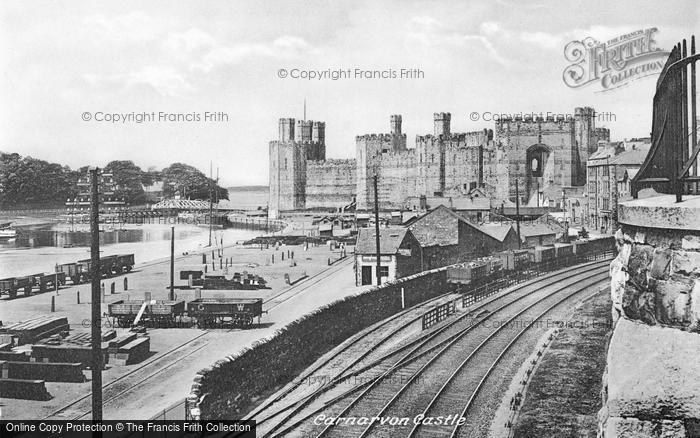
(398, 139)
(303, 131)
(395, 122)
(586, 142)
(442, 123)
(286, 129)
(287, 158)
(318, 133)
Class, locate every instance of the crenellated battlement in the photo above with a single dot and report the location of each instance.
(463, 137)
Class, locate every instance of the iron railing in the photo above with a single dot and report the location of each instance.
(671, 166)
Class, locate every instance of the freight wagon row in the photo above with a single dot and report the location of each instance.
(82, 270)
(78, 272)
(481, 270)
(202, 312)
(44, 282)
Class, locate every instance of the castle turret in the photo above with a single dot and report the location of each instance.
(395, 124)
(318, 134)
(286, 129)
(442, 123)
(303, 131)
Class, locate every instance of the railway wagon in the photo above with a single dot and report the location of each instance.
(74, 271)
(124, 312)
(467, 272)
(157, 313)
(219, 311)
(47, 282)
(495, 264)
(81, 271)
(164, 313)
(10, 286)
(563, 250)
(514, 259)
(543, 254)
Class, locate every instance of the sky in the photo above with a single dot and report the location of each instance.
(63, 62)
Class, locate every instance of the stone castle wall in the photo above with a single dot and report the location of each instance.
(330, 183)
(441, 162)
(567, 143)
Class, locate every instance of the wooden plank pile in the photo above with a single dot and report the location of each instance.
(35, 329)
(49, 372)
(129, 349)
(66, 354)
(24, 389)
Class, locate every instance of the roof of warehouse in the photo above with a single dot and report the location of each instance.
(389, 240)
(432, 234)
(497, 231)
(535, 229)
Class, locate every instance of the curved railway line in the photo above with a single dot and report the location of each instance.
(374, 367)
(367, 344)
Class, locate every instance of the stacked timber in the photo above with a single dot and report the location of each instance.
(14, 356)
(127, 350)
(35, 329)
(24, 389)
(49, 372)
(66, 353)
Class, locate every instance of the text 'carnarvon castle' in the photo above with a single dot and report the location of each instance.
(540, 153)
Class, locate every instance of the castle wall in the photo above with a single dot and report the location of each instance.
(330, 183)
(440, 163)
(564, 142)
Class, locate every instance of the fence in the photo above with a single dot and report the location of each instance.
(477, 293)
(433, 316)
(671, 166)
(177, 411)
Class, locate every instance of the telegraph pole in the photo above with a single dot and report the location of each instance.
(376, 229)
(172, 264)
(517, 211)
(210, 200)
(96, 332)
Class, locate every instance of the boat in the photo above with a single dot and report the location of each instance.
(6, 232)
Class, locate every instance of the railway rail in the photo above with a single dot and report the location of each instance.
(367, 343)
(80, 408)
(371, 360)
(425, 372)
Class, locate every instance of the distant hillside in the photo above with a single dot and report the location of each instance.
(247, 188)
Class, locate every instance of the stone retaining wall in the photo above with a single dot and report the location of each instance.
(652, 383)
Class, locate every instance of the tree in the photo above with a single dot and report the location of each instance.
(28, 181)
(129, 179)
(190, 183)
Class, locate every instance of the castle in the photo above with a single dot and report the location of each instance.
(543, 154)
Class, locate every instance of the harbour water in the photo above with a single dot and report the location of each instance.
(39, 250)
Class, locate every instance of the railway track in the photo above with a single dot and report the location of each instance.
(371, 363)
(81, 408)
(306, 284)
(423, 377)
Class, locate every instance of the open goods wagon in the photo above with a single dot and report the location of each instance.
(81, 271)
(156, 313)
(210, 312)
